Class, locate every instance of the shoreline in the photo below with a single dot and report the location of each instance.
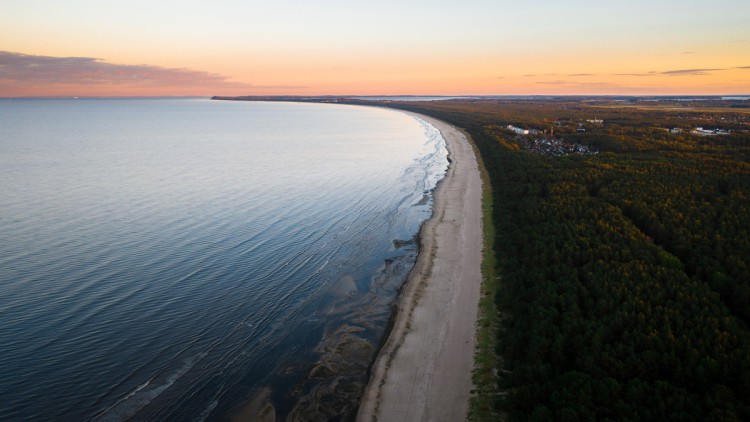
(423, 371)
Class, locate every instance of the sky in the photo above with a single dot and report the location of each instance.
(385, 47)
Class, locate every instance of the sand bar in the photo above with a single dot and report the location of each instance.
(423, 372)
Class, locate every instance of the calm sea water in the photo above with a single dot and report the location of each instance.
(177, 259)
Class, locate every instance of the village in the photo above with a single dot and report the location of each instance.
(547, 144)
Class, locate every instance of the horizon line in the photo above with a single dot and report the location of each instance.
(468, 96)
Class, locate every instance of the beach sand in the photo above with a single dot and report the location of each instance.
(423, 372)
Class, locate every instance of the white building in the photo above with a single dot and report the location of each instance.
(518, 130)
(709, 132)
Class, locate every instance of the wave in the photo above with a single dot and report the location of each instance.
(140, 397)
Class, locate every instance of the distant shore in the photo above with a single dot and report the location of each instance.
(423, 372)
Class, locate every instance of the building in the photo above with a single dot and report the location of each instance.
(518, 130)
(709, 132)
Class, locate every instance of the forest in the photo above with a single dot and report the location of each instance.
(624, 288)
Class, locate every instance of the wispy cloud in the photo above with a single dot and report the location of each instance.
(652, 73)
(89, 73)
(533, 75)
(87, 70)
(675, 72)
(678, 72)
(689, 72)
(578, 84)
(688, 52)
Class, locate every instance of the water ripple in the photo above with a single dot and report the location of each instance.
(160, 259)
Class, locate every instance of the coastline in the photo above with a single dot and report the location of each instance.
(424, 369)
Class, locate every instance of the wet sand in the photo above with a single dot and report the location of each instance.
(423, 372)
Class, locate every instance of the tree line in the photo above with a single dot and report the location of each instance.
(625, 291)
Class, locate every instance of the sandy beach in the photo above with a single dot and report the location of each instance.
(423, 372)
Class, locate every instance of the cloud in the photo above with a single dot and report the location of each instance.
(579, 85)
(689, 72)
(635, 74)
(688, 52)
(527, 76)
(678, 72)
(89, 74)
(22, 67)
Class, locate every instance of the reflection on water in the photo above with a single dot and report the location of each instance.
(194, 259)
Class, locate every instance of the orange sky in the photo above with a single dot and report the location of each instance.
(231, 47)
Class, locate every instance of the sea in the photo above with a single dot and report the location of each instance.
(189, 259)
